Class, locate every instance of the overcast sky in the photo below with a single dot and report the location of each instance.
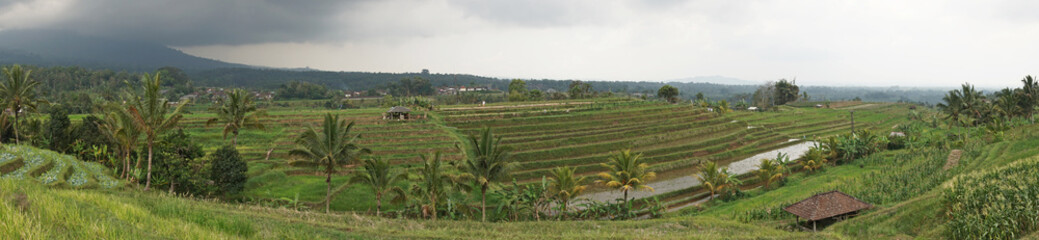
(825, 42)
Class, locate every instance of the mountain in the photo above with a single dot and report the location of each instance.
(64, 48)
(715, 79)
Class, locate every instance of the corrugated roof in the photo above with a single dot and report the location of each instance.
(825, 205)
(399, 109)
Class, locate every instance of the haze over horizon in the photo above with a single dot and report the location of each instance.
(834, 43)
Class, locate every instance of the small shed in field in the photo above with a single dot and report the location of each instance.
(398, 112)
(827, 208)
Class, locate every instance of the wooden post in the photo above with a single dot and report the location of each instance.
(813, 227)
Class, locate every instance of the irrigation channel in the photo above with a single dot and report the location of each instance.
(739, 167)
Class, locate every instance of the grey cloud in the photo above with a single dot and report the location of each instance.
(202, 22)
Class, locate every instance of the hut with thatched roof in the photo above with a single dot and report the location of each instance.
(398, 112)
(826, 208)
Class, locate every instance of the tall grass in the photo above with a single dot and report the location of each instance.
(1002, 203)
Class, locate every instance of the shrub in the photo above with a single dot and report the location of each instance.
(228, 170)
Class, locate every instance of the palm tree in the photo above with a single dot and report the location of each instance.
(380, 175)
(149, 112)
(333, 146)
(564, 186)
(711, 177)
(237, 111)
(965, 101)
(626, 173)
(1031, 95)
(119, 126)
(434, 183)
(19, 93)
(769, 170)
(487, 163)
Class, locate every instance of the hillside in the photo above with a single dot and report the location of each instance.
(53, 169)
(62, 48)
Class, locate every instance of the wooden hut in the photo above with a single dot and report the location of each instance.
(826, 208)
(399, 113)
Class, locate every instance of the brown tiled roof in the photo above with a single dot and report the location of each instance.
(825, 205)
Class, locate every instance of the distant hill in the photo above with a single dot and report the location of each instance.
(716, 80)
(63, 48)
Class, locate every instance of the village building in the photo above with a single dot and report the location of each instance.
(826, 208)
(398, 112)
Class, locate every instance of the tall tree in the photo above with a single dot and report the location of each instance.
(786, 91)
(517, 90)
(333, 146)
(626, 173)
(120, 127)
(1030, 100)
(488, 162)
(19, 93)
(380, 175)
(152, 116)
(963, 105)
(434, 183)
(237, 111)
(669, 93)
(564, 186)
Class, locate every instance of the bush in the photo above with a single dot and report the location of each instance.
(228, 170)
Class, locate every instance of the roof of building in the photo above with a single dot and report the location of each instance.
(399, 109)
(825, 205)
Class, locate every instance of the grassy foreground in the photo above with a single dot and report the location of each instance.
(32, 211)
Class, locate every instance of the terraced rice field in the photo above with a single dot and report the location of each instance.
(398, 141)
(543, 135)
(673, 138)
(52, 168)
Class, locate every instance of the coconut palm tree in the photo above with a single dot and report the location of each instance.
(119, 126)
(626, 173)
(711, 177)
(237, 111)
(380, 175)
(488, 162)
(769, 170)
(564, 187)
(434, 183)
(1030, 90)
(152, 116)
(19, 93)
(333, 146)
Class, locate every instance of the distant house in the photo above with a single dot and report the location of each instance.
(752, 109)
(826, 208)
(398, 112)
(897, 134)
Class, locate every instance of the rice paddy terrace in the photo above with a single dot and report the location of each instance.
(53, 169)
(542, 135)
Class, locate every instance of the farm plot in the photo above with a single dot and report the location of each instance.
(673, 138)
(52, 168)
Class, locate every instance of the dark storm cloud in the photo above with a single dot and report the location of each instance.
(197, 22)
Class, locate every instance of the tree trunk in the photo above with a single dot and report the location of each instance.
(16, 136)
(148, 182)
(483, 203)
(171, 186)
(378, 204)
(234, 139)
(328, 193)
(625, 195)
(434, 206)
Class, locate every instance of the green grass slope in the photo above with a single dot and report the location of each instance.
(31, 211)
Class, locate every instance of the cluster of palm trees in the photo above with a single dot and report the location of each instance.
(969, 107)
(487, 163)
(144, 113)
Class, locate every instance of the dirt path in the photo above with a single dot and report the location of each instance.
(953, 160)
(517, 106)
